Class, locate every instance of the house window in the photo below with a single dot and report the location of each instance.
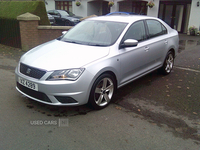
(64, 5)
(140, 7)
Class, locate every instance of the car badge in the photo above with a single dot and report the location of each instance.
(28, 71)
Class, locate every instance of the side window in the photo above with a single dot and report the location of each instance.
(56, 12)
(155, 28)
(164, 29)
(136, 31)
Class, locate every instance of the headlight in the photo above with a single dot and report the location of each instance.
(68, 74)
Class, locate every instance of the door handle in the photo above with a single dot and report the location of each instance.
(166, 42)
(146, 49)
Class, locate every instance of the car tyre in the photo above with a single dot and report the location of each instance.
(102, 91)
(67, 23)
(168, 64)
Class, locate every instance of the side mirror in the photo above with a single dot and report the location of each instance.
(64, 32)
(129, 43)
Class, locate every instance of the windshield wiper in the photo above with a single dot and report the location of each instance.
(93, 44)
(72, 41)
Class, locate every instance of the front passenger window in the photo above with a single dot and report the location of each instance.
(136, 32)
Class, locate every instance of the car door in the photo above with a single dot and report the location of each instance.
(134, 60)
(57, 17)
(157, 42)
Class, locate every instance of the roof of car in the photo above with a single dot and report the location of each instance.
(126, 18)
(122, 13)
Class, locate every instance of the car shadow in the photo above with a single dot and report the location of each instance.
(136, 85)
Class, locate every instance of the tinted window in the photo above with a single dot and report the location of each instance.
(155, 28)
(136, 31)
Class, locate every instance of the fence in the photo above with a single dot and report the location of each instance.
(10, 32)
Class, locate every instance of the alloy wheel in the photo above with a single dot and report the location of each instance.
(169, 63)
(104, 91)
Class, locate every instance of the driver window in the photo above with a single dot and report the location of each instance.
(56, 13)
(136, 32)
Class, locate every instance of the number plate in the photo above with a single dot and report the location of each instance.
(28, 84)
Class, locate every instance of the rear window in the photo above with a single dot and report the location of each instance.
(155, 28)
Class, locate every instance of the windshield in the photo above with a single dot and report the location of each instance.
(63, 13)
(70, 13)
(97, 33)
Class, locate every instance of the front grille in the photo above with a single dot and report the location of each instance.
(35, 94)
(31, 72)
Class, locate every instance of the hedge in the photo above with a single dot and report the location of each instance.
(12, 9)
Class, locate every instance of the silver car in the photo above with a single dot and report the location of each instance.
(89, 62)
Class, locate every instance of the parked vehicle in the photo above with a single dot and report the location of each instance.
(64, 18)
(97, 56)
(122, 13)
(51, 19)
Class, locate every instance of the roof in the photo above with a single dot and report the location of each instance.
(122, 13)
(122, 18)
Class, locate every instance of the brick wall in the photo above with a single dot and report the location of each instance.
(32, 34)
(47, 33)
(29, 34)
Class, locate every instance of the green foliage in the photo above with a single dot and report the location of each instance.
(12, 9)
(193, 28)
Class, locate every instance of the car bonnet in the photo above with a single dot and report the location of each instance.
(57, 55)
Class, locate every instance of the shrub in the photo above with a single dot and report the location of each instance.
(12, 9)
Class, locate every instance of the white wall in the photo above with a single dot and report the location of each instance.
(194, 14)
(115, 7)
(50, 4)
(153, 12)
(80, 10)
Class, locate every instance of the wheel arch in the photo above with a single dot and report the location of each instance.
(170, 50)
(173, 51)
(96, 80)
(101, 72)
(112, 74)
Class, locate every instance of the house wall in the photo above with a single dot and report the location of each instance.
(115, 7)
(194, 19)
(50, 5)
(80, 10)
(153, 12)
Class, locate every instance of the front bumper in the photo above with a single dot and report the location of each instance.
(67, 93)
